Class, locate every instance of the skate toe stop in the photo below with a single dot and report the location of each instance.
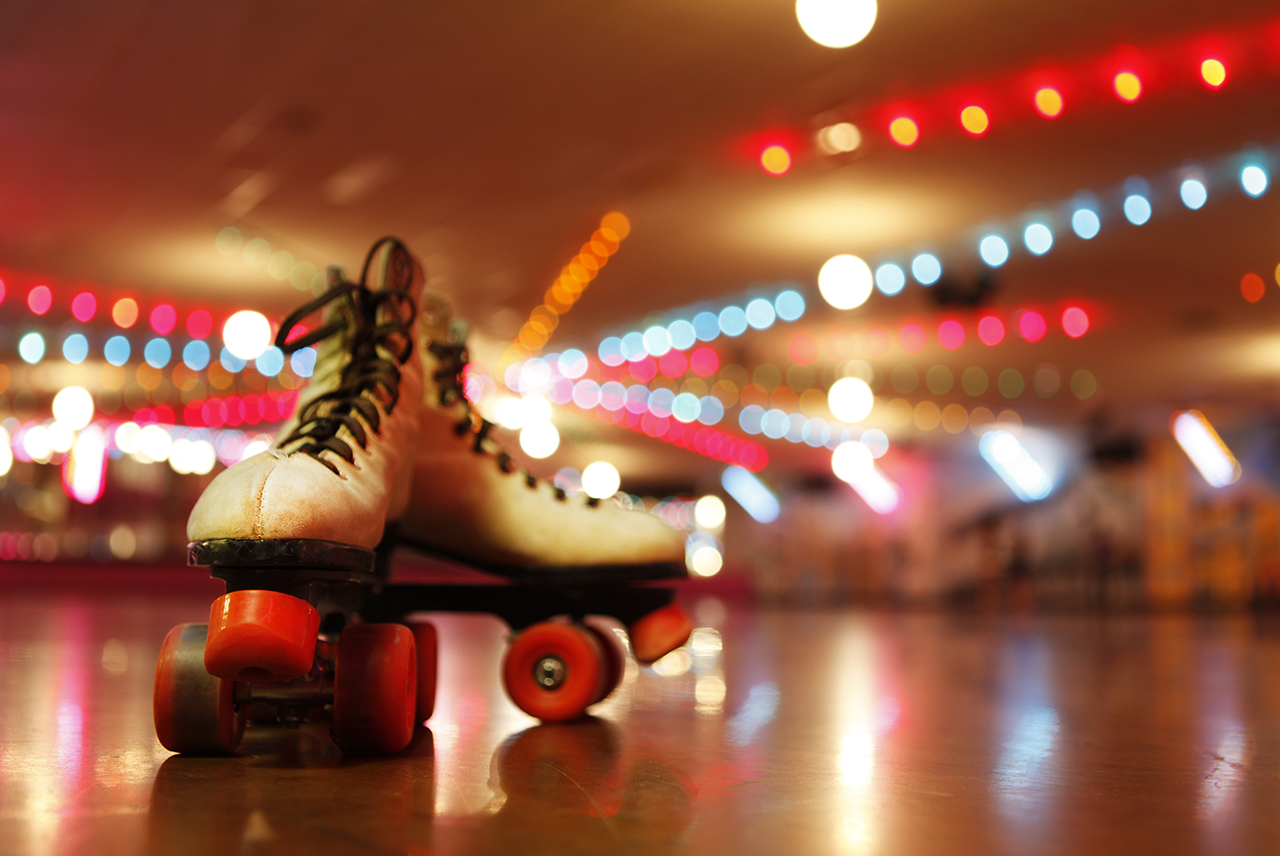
(659, 633)
(261, 636)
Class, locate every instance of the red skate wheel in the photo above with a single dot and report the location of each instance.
(615, 656)
(425, 640)
(261, 636)
(375, 688)
(554, 671)
(659, 633)
(194, 711)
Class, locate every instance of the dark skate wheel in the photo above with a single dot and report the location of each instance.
(261, 636)
(425, 640)
(554, 671)
(194, 711)
(659, 633)
(615, 656)
(375, 688)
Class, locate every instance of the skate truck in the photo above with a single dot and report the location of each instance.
(310, 625)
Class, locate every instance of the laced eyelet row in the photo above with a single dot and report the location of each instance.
(368, 379)
(453, 359)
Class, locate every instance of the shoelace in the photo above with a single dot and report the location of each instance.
(367, 375)
(453, 360)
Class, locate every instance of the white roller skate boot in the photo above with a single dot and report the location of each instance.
(469, 502)
(293, 529)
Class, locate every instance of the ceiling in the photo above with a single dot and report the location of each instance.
(492, 137)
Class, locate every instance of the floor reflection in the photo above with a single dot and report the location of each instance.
(774, 732)
(550, 784)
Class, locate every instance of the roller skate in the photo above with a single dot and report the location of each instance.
(293, 533)
(380, 458)
(565, 561)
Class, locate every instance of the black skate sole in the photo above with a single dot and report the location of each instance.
(300, 553)
(339, 578)
(557, 575)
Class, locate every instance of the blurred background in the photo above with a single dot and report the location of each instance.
(968, 304)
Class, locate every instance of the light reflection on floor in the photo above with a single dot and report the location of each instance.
(778, 732)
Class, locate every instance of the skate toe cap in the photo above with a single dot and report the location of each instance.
(275, 495)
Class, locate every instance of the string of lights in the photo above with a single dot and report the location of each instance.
(568, 287)
(1122, 75)
(1038, 230)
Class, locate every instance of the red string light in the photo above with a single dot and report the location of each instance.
(1124, 73)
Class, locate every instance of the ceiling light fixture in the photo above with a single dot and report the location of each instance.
(836, 23)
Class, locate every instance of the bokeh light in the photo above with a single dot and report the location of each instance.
(199, 324)
(39, 299)
(836, 23)
(761, 314)
(926, 268)
(1038, 238)
(704, 362)
(974, 381)
(1213, 72)
(682, 334)
(6, 452)
(84, 306)
(303, 364)
(1085, 223)
(838, 138)
(1193, 193)
(1010, 383)
(125, 312)
(656, 341)
(850, 399)
(600, 480)
(850, 460)
(803, 350)
(733, 321)
(117, 350)
(157, 353)
(789, 305)
(1252, 287)
(911, 338)
(994, 250)
(1137, 210)
(1084, 384)
(990, 330)
(195, 355)
(1048, 102)
(1127, 86)
(270, 362)
(775, 160)
(573, 363)
(539, 439)
(31, 348)
(673, 364)
(1075, 321)
(75, 348)
(246, 334)
(163, 319)
(1254, 180)
(709, 512)
(1032, 326)
(890, 278)
(974, 120)
(73, 407)
(229, 241)
(904, 131)
(951, 334)
(704, 561)
(845, 281)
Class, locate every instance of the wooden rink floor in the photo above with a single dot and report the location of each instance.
(775, 732)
